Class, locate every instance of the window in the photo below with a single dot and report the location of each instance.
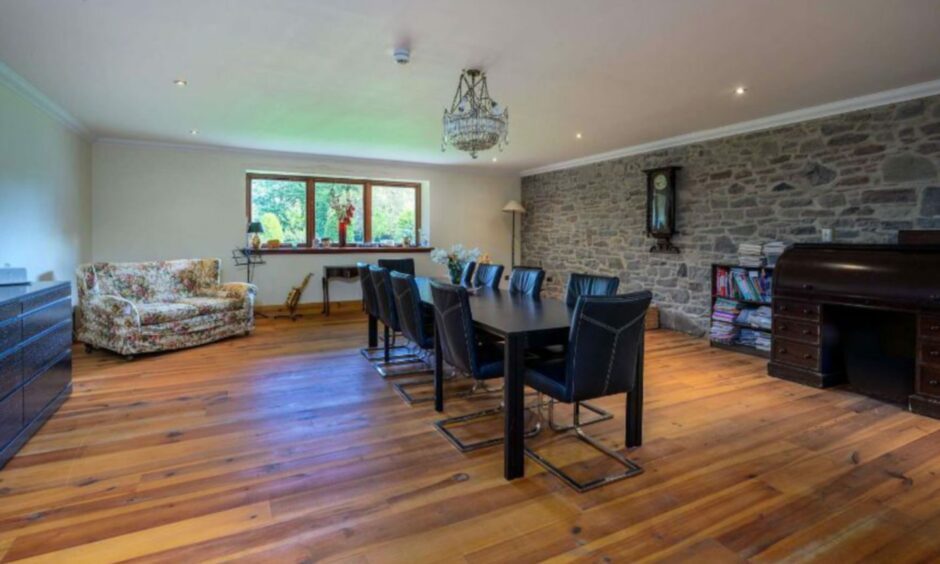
(296, 210)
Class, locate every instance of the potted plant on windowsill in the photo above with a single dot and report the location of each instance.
(455, 260)
(344, 210)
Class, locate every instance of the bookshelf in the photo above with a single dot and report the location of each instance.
(737, 289)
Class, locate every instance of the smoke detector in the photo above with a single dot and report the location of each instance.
(402, 55)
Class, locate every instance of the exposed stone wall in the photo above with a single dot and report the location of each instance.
(865, 174)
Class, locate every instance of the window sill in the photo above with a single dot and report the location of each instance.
(342, 250)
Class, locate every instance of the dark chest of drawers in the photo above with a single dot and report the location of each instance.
(35, 359)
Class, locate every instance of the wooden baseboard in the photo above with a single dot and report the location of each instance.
(312, 308)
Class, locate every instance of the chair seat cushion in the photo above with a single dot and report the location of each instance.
(206, 305)
(162, 312)
(548, 377)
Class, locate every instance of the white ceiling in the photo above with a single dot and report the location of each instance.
(318, 77)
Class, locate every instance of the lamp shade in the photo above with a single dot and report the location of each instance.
(513, 206)
(255, 227)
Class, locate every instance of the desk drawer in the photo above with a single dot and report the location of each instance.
(930, 327)
(807, 332)
(930, 352)
(11, 372)
(41, 319)
(796, 354)
(929, 381)
(11, 416)
(796, 310)
(43, 388)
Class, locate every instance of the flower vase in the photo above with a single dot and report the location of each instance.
(342, 233)
(455, 269)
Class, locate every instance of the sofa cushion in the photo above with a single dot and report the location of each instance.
(206, 305)
(161, 312)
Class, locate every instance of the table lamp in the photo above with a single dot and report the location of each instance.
(254, 229)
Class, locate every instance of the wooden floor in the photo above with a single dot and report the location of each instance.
(286, 446)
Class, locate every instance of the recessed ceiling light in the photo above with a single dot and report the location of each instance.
(180, 82)
(495, 160)
(577, 136)
(194, 132)
(740, 90)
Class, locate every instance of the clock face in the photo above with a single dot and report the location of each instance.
(660, 182)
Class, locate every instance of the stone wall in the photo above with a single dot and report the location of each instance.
(864, 174)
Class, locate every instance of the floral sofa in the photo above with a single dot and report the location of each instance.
(141, 307)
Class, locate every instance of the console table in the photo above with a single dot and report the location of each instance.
(35, 359)
(343, 272)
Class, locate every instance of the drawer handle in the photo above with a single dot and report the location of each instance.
(784, 308)
(805, 331)
(807, 286)
(934, 382)
(935, 352)
(783, 326)
(807, 311)
(935, 327)
(782, 351)
(807, 356)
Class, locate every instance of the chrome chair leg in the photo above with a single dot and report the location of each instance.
(377, 353)
(602, 415)
(632, 468)
(402, 388)
(443, 425)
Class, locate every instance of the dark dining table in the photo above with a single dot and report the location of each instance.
(522, 322)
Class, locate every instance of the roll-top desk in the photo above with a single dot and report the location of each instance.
(863, 315)
(35, 359)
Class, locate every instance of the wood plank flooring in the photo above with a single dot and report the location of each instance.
(286, 446)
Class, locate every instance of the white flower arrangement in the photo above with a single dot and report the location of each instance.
(455, 259)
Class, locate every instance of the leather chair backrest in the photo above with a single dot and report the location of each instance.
(385, 297)
(527, 280)
(589, 285)
(405, 265)
(368, 289)
(454, 325)
(488, 275)
(408, 306)
(466, 277)
(604, 344)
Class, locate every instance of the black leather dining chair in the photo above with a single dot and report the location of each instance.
(388, 314)
(466, 275)
(405, 265)
(371, 306)
(526, 280)
(463, 351)
(589, 285)
(604, 357)
(416, 323)
(488, 275)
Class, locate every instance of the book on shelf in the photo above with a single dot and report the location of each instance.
(753, 285)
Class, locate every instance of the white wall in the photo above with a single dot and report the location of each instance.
(45, 191)
(159, 202)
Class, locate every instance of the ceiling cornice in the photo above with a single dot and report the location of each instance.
(21, 86)
(911, 92)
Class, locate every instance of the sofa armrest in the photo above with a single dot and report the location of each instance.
(120, 311)
(236, 290)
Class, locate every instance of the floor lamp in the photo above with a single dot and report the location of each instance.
(513, 207)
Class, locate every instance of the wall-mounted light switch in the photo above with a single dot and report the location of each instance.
(827, 235)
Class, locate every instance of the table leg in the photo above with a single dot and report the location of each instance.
(438, 372)
(373, 332)
(635, 405)
(324, 283)
(514, 400)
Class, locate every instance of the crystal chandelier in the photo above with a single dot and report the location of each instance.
(475, 122)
